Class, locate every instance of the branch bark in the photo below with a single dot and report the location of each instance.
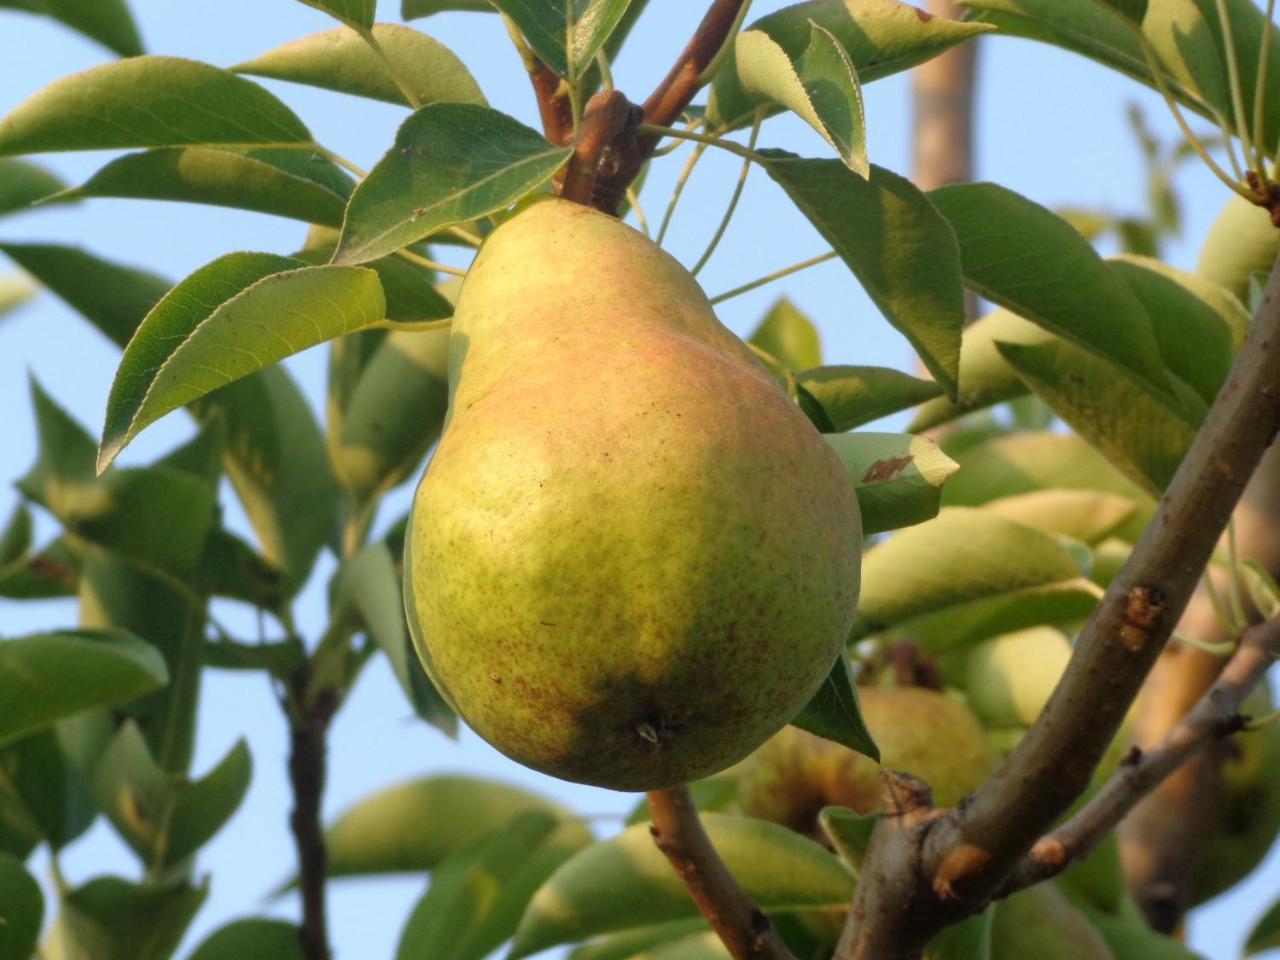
(681, 84)
(309, 718)
(964, 855)
(604, 119)
(742, 927)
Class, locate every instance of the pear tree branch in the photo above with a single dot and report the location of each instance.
(687, 76)
(1217, 715)
(959, 860)
(604, 119)
(743, 928)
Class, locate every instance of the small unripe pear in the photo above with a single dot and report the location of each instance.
(1009, 678)
(1240, 243)
(1040, 923)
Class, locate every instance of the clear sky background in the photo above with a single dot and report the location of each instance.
(1051, 126)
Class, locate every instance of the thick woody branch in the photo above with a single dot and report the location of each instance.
(745, 931)
(681, 84)
(604, 119)
(1217, 715)
(553, 105)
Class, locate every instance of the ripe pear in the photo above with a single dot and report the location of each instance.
(922, 732)
(1009, 678)
(1240, 243)
(632, 559)
(1040, 923)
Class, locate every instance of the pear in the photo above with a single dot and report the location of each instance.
(631, 559)
(1010, 677)
(795, 774)
(1040, 923)
(1240, 243)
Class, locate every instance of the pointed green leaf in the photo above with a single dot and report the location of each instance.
(15, 538)
(852, 396)
(413, 293)
(627, 882)
(1030, 261)
(106, 21)
(834, 713)
(287, 183)
(113, 297)
(148, 102)
(963, 561)
(565, 34)
(452, 162)
(23, 183)
(632, 944)
(343, 61)
(51, 572)
(899, 247)
(820, 86)
(233, 317)
(849, 832)
(45, 677)
(1265, 934)
(46, 796)
(788, 335)
(1133, 10)
(112, 919)
(21, 910)
(358, 13)
(696, 946)
(253, 939)
(1089, 516)
(882, 37)
(967, 940)
(1129, 937)
(413, 9)
(898, 477)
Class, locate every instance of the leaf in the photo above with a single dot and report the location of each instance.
(1265, 934)
(898, 477)
(479, 893)
(964, 573)
(899, 247)
(398, 829)
(113, 297)
(14, 292)
(357, 13)
(15, 538)
(452, 162)
(1133, 10)
(106, 21)
(820, 86)
(852, 396)
(21, 910)
(44, 799)
(148, 102)
(230, 318)
(286, 183)
(1089, 516)
(1028, 260)
(165, 819)
(44, 677)
(23, 183)
(627, 882)
(412, 293)
(632, 944)
(51, 572)
(252, 939)
(849, 832)
(565, 34)
(882, 37)
(343, 61)
(833, 712)
(1137, 432)
(967, 940)
(697, 946)
(413, 9)
(788, 335)
(112, 919)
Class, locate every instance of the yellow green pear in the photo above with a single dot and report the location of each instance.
(1009, 678)
(1240, 243)
(922, 732)
(631, 559)
(1040, 923)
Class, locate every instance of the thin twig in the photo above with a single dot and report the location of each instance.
(309, 718)
(743, 929)
(1216, 715)
(776, 275)
(682, 82)
(733, 200)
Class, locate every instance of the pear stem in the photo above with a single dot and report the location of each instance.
(1216, 715)
(776, 275)
(690, 72)
(733, 200)
(743, 929)
(605, 118)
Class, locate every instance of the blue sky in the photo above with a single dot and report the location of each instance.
(1051, 126)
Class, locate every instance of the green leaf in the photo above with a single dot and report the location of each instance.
(882, 37)
(106, 21)
(343, 61)
(899, 247)
(1133, 10)
(23, 183)
(1131, 939)
(633, 944)
(788, 335)
(412, 292)
(252, 939)
(113, 297)
(1089, 516)
(452, 162)
(565, 34)
(46, 797)
(398, 829)
(697, 946)
(21, 910)
(967, 940)
(834, 713)
(163, 818)
(15, 538)
(820, 86)
(231, 318)
(1030, 261)
(1265, 934)
(413, 9)
(112, 919)
(357, 13)
(1137, 432)
(898, 477)
(627, 882)
(14, 292)
(852, 396)
(286, 183)
(148, 102)
(965, 573)
(51, 572)
(45, 677)
(849, 832)
(479, 893)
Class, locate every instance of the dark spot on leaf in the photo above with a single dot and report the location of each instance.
(886, 469)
